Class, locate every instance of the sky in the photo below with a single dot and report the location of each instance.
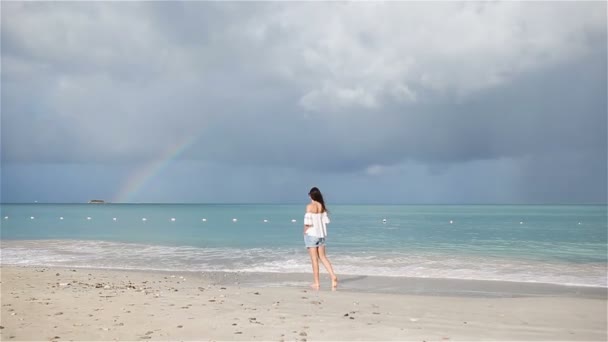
(256, 102)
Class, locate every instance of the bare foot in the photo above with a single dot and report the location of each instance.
(334, 282)
(315, 286)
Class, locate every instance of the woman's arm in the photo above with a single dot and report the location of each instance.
(308, 210)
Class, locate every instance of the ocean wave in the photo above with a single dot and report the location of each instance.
(428, 264)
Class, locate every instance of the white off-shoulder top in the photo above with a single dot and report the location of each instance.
(318, 223)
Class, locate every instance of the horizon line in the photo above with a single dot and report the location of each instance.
(334, 203)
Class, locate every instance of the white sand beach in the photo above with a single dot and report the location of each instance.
(83, 304)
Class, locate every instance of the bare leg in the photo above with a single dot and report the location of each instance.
(314, 258)
(327, 264)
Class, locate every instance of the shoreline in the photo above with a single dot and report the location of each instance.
(41, 303)
(150, 256)
(374, 284)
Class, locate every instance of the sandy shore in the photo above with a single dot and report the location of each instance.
(82, 304)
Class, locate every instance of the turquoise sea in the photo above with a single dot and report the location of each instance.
(559, 244)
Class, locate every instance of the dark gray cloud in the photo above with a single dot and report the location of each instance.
(352, 90)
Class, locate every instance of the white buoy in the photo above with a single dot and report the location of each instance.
(451, 221)
(265, 220)
(293, 220)
(114, 219)
(144, 219)
(89, 218)
(521, 222)
(234, 220)
(61, 218)
(32, 217)
(204, 220)
(6, 217)
(383, 220)
(173, 219)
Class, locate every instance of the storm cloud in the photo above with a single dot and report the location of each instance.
(374, 96)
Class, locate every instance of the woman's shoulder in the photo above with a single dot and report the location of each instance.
(313, 208)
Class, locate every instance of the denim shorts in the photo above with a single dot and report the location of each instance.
(313, 241)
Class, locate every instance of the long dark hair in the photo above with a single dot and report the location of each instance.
(316, 195)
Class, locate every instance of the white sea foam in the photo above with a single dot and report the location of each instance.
(432, 264)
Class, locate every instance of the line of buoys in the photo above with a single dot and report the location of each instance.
(173, 219)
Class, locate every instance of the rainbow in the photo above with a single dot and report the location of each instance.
(138, 179)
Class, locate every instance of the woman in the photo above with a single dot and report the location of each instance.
(315, 232)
